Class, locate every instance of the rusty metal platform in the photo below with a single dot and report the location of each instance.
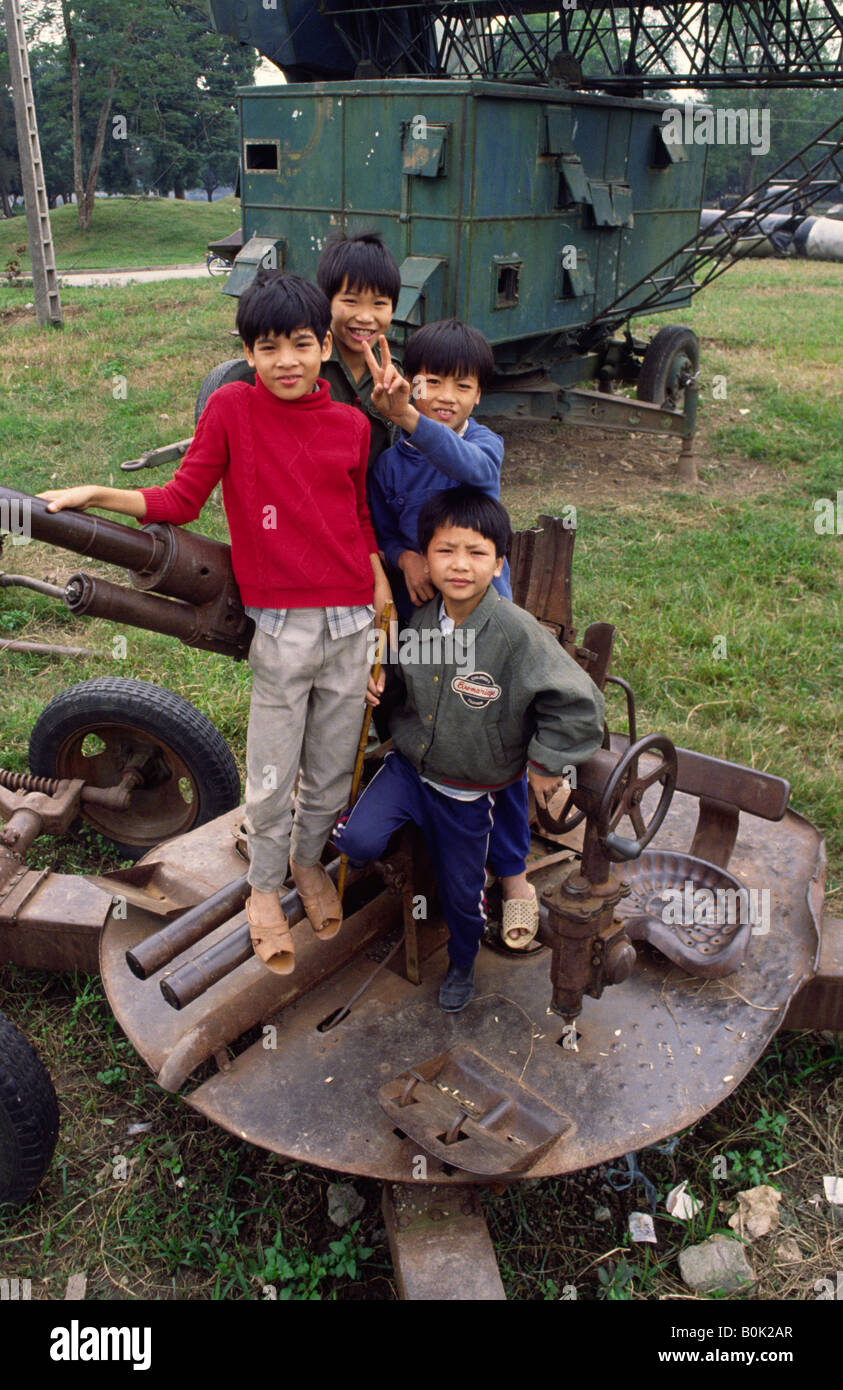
(652, 1055)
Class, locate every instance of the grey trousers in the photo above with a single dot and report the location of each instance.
(305, 716)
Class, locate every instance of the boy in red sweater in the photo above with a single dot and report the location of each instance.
(293, 469)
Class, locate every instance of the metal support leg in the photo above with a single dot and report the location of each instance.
(687, 467)
(440, 1244)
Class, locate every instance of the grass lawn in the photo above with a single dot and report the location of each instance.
(128, 232)
(728, 608)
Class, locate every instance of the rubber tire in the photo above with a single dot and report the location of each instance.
(29, 1116)
(152, 709)
(235, 369)
(670, 342)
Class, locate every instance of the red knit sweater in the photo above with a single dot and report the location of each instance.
(294, 491)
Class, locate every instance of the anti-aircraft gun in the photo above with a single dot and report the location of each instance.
(614, 1051)
(587, 1045)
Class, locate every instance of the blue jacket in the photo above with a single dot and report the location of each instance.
(404, 476)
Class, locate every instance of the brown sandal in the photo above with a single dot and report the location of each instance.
(322, 905)
(273, 943)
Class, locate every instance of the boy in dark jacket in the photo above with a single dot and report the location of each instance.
(474, 713)
(361, 280)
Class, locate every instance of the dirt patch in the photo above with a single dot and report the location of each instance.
(19, 313)
(547, 462)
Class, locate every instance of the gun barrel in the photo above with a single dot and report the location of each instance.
(109, 541)
(227, 631)
(186, 566)
(99, 598)
(156, 951)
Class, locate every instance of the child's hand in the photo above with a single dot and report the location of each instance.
(382, 595)
(78, 498)
(416, 577)
(391, 393)
(546, 785)
(126, 500)
(374, 689)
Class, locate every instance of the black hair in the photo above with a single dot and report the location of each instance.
(467, 507)
(276, 302)
(449, 348)
(360, 262)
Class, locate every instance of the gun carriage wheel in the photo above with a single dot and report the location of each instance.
(29, 1116)
(235, 369)
(100, 729)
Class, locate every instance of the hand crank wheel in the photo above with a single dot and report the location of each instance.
(623, 794)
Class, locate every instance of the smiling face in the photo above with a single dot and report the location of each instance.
(448, 399)
(462, 565)
(357, 317)
(289, 366)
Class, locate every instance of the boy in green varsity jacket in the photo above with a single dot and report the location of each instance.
(486, 691)
(292, 463)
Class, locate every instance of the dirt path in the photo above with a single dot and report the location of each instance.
(99, 278)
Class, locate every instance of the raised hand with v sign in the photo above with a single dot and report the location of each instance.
(391, 393)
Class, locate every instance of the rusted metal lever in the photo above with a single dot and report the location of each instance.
(35, 806)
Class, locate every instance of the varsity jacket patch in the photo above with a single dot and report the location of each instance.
(477, 690)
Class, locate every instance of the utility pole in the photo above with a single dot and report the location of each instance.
(39, 234)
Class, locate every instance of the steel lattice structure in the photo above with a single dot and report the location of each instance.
(631, 45)
(812, 171)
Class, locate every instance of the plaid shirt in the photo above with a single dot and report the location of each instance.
(342, 622)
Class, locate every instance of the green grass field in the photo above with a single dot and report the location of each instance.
(677, 571)
(128, 232)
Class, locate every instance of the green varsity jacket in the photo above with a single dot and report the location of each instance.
(497, 693)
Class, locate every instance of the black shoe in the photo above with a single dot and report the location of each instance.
(457, 988)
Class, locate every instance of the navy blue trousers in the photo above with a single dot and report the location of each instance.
(456, 834)
(509, 842)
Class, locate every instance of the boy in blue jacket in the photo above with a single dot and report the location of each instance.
(449, 364)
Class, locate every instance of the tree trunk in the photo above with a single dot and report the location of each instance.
(178, 190)
(96, 154)
(73, 58)
(85, 189)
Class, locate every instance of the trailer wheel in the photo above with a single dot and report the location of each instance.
(235, 369)
(671, 359)
(29, 1116)
(99, 728)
